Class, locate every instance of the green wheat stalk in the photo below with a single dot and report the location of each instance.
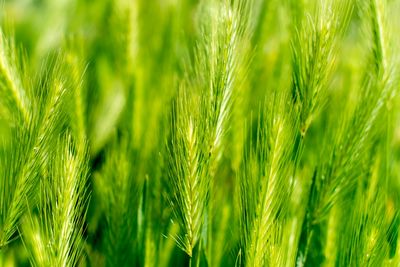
(28, 153)
(314, 50)
(353, 141)
(54, 236)
(265, 183)
(200, 112)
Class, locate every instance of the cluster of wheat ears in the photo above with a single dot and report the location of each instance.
(199, 133)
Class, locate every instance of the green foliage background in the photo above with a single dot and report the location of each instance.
(199, 133)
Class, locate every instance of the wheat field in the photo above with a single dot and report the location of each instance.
(199, 133)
